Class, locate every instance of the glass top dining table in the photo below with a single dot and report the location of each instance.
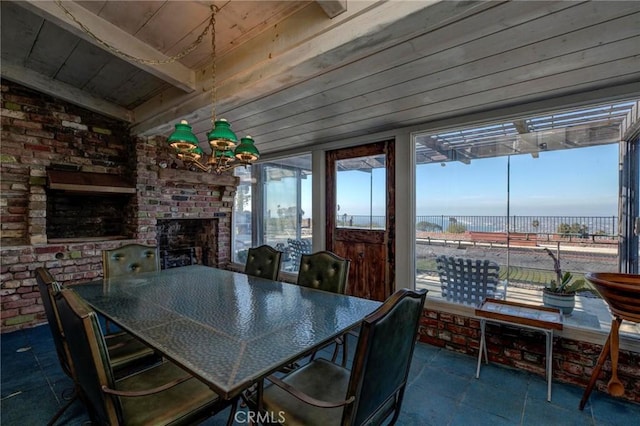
(227, 328)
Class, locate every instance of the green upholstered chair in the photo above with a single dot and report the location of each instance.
(323, 393)
(324, 270)
(263, 262)
(125, 352)
(160, 395)
(130, 259)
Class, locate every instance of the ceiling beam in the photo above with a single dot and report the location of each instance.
(333, 8)
(174, 73)
(66, 92)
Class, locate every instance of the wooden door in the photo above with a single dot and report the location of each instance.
(358, 229)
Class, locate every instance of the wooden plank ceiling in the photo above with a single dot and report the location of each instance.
(298, 73)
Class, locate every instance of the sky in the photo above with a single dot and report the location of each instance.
(576, 182)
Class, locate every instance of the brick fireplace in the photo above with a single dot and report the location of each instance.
(40, 132)
(187, 241)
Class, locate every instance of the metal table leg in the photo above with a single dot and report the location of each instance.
(549, 336)
(483, 347)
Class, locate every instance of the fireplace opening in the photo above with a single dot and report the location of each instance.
(185, 242)
(73, 216)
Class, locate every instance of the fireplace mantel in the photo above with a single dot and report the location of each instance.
(177, 175)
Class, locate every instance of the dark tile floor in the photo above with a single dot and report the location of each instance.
(442, 390)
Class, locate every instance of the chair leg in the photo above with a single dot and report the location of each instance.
(232, 414)
(337, 342)
(62, 409)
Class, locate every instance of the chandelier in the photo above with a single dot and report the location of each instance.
(226, 152)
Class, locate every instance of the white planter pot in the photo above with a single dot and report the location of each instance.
(564, 302)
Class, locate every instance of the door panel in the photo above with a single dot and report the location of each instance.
(364, 238)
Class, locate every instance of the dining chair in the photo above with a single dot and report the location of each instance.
(324, 393)
(469, 281)
(160, 395)
(326, 271)
(125, 352)
(263, 262)
(130, 259)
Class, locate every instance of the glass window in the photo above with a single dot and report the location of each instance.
(519, 193)
(242, 222)
(360, 192)
(279, 194)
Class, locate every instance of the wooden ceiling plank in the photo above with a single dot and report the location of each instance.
(444, 65)
(309, 50)
(583, 79)
(462, 27)
(530, 54)
(83, 64)
(47, 85)
(174, 73)
(439, 121)
(138, 87)
(18, 32)
(241, 23)
(95, 6)
(132, 16)
(401, 53)
(51, 49)
(176, 16)
(110, 78)
(453, 83)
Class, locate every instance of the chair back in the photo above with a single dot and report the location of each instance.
(90, 357)
(296, 249)
(48, 286)
(468, 281)
(383, 358)
(263, 262)
(130, 259)
(324, 270)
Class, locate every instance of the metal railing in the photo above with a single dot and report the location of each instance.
(581, 226)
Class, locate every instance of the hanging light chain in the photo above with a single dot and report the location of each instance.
(119, 52)
(214, 94)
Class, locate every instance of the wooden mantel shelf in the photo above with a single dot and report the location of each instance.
(178, 175)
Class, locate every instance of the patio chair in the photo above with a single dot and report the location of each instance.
(160, 395)
(469, 281)
(323, 393)
(296, 249)
(125, 352)
(263, 262)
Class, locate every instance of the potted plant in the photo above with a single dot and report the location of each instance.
(561, 292)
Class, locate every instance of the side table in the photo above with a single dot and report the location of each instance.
(527, 316)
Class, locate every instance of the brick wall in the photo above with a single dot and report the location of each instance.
(37, 131)
(573, 361)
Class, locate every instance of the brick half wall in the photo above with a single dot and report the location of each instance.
(524, 349)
